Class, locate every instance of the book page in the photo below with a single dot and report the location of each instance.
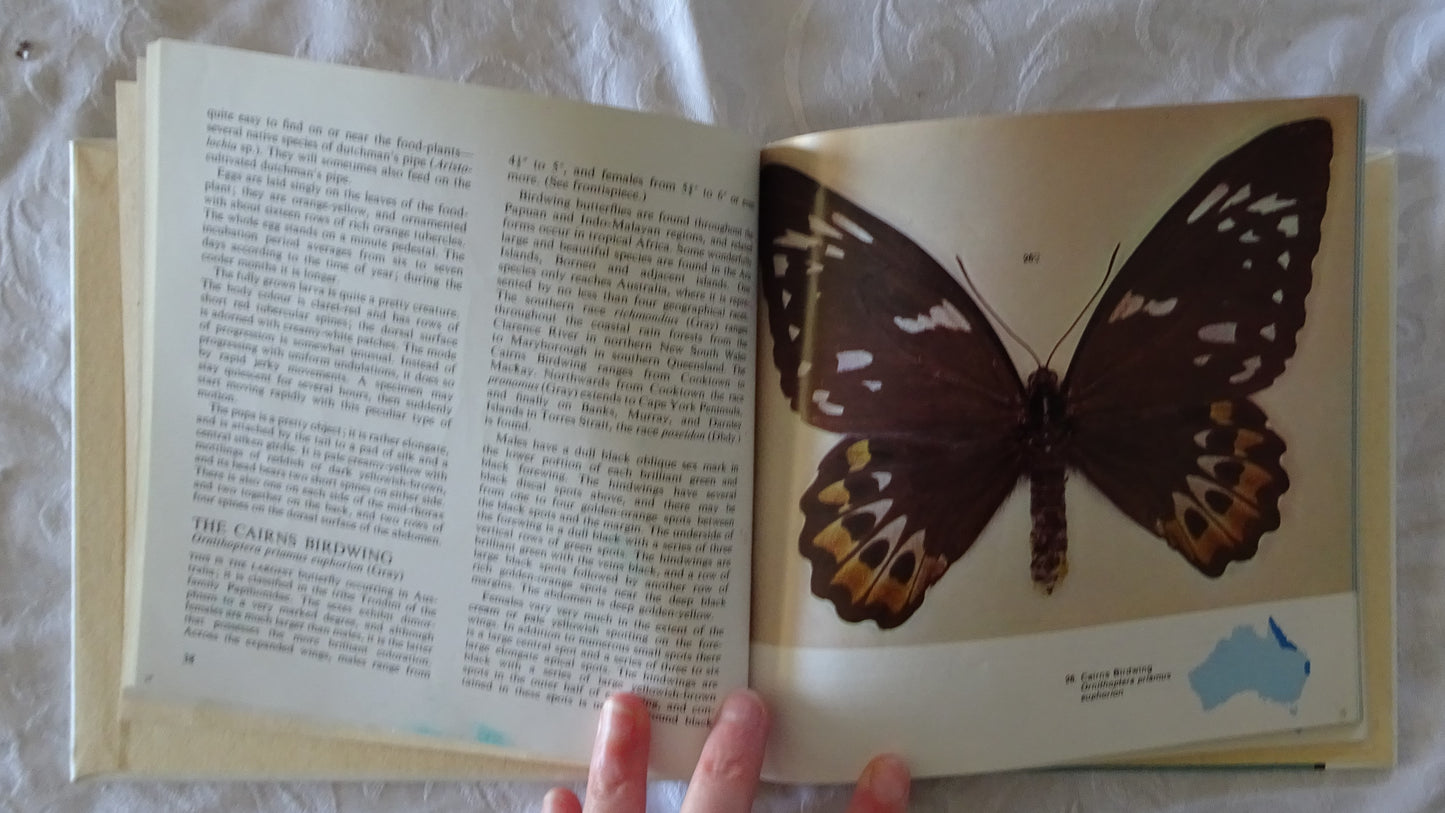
(1370, 743)
(97, 358)
(447, 408)
(158, 740)
(981, 294)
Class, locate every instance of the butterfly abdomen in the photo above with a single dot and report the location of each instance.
(1049, 538)
(1044, 427)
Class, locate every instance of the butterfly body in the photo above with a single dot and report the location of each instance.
(877, 342)
(1044, 436)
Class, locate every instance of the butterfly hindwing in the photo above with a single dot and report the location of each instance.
(1213, 469)
(871, 334)
(885, 517)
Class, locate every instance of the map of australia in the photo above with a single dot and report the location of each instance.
(1270, 666)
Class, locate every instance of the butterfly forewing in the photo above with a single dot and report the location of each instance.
(870, 333)
(1207, 307)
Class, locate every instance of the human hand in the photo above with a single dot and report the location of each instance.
(726, 778)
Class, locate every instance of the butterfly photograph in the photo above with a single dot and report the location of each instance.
(1033, 374)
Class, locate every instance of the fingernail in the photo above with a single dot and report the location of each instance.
(887, 780)
(742, 708)
(617, 722)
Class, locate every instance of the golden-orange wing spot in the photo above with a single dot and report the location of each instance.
(836, 540)
(856, 578)
(835, 494)
(1206, 537)
(1245, 439)
(1221, 412)
(858, 456)
(1243, 477)
(1224, 507)
(899, 576)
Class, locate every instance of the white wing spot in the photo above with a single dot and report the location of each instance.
(1208, 202)
(872, 385)
(1268, 332)
(1251, 365)
(1156, 307)
(948, 316)
(833, 251)
(1289, 225)
(820, 397)
(1247, 237)
(795, 239)
(820, 226)
(1210, 463)
(1202, 487)
(793, 331)
(852, 228)
(1271, 204)
(893, 531)
(780, 264)
(944, 315)
(815, 268)
(804, 367)
(883, 478)
(1248, 264)
(1183, 502)
(1283, 260)
(1277, 296)
(1200, 361)
(1236, 197)
(787, 297)
(876, 510)
(850, 360)
(1128, 306)
(1226, 224)
(1201, 439)
(1219, 332)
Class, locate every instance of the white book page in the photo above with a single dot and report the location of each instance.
(449, 425)
(897, 602)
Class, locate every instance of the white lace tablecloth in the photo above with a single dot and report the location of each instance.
(770, 68)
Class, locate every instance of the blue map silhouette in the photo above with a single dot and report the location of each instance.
(1272, 667)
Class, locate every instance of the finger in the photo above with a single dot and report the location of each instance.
(726, 778)
(882, 787)
(561, 800)
(617, 778)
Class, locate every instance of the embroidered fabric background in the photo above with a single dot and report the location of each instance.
(770, 68)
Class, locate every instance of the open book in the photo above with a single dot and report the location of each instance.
(448, 411)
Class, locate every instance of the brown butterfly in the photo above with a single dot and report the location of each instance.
(876, 341)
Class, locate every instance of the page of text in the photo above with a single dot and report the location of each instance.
(448, 430)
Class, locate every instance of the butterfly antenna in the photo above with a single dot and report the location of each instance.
(977, 297)
(1087, 305)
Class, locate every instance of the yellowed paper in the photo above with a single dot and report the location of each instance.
(98, 438)
(155, 742)
(1372, 743)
